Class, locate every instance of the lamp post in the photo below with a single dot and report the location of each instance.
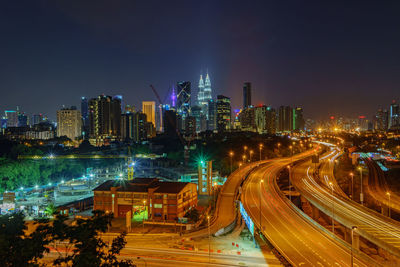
(290, 191)
(250, 154)
(291, 154)
(354, 228)
(388, 194)
(244, 158)
(333, 208)
(231, 155)
(144, 206)
(209, 240)
(361, 192)
(261, 183)
(260, 147)
(244, 149)
(352, 186)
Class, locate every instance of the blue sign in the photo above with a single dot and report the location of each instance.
(246, 218)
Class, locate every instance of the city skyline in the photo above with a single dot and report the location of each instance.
(292, 54)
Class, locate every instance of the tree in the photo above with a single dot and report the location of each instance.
(193, 215)
(85, 247)
(50, 210)
(17, 248)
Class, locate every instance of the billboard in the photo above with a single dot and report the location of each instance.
(247, 219)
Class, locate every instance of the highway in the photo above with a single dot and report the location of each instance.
(377, 187)
(172, 257)
(371, 225)
(300, 240)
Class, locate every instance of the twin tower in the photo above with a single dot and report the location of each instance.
(204, 95)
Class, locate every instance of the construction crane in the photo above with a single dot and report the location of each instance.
(185, 142)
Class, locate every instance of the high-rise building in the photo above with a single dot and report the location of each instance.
(134, 126)
(190, 125)
(69, 123)
(104, 119)
(394, 119)
(12, 118)
(223, 113)
(265, 119)
(129, 109)
(22, 120)
(381, 120)
(170, 123)
(36, 119)
(184, 99)
(85, 116)
(246, 95)
(298, 119)
(212, 115)
(149, 108)
(285, 119)
(247, 119)
(205, 93)
(198, 115)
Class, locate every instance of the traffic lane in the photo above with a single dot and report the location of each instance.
(371, 225)
(293, 232)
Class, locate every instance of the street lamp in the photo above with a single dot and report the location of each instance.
(251, 153)
(352, 186)
(333, 208)
(244, 158)
(354, 228)
(144, 206)
(209, 240)
(231, 155)
(260, 147)
(291, 154)
(261, 183)
(361, 192)
(388, 194)
(290, 191)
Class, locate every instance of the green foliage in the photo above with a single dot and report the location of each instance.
(50, 210)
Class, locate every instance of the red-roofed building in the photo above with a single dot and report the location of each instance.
(146, 198)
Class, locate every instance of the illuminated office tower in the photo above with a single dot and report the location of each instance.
(104, 119)
(394, 116)
(223, 113)
(184, 99)
(12, 118)
(149, 108)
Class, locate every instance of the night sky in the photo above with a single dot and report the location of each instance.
(330, 58)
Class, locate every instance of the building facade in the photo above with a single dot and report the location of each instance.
(149, 108)
(146, 198)
(69, 123)
(223, 113)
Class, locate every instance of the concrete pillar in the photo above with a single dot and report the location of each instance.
(347, 235)
(356, 240)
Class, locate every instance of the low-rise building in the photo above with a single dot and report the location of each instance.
(146, 198)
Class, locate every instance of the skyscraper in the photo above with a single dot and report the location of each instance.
(265, 119)
(212, 115)
(36, 119)
(246, 95)
(200, 94)
(69, 123)
(394, 116)
(22, 120)
(170, 123)
(184, 98)
(285, 119)
(85, 115)
(223, 113)
(149, 108)
(104, 119)
(205, 93)
(12, 118)
(298, 119)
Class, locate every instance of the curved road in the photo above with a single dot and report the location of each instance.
(373, 226)
(299, 240)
